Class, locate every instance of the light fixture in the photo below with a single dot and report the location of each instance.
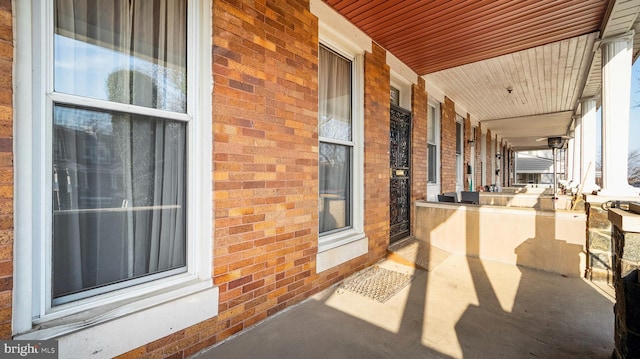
(471, 142)
(556, 142)
(498, 155)
(509, 89)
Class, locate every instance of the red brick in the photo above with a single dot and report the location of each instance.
(239, 282)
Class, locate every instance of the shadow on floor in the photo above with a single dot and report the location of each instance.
(461, 308)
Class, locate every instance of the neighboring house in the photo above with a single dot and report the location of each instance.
(173, 172)
(535, 168)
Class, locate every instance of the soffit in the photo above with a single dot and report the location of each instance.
(473, 51)
(545, 79)
(532, 91)
(525, 133)
(431, 36)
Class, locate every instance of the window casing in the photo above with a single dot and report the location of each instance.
(459, 153)
(68, 134)
(127, 221)
(340, 148)
(432, 143)
(336, 145)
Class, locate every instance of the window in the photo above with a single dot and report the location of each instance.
(340, 149)
(341, 234)
(394, 94)
(336, 145)
(128, 223)
(432, 144)
(459, 153)
(113, 144)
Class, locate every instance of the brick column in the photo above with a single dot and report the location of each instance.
(419, 166)
(467, 152)
(376, 150)
(6, 169)
(265, 124)
(448, 146)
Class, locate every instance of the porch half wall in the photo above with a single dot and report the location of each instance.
(552, 241)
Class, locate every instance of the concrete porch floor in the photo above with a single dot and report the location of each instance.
(460, 307)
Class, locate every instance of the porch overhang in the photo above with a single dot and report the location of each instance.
(519, 68)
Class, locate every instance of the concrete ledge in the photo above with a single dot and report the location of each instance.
(548, 240)
(591, 198)
(625, 221)
(528, 200)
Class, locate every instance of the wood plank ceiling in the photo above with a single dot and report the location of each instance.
(474, 51)
(430, 36)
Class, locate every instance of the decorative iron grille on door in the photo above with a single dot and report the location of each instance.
(400, 160)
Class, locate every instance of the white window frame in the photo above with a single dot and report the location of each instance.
(436, 135)
(404, 90)
(433, 188)
(124, 319)
(483, 157)
(340, 246)
(460, 156)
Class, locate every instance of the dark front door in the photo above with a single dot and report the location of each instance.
(400, 158)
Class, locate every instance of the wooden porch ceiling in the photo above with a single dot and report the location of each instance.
(518, 67)
(431, 36)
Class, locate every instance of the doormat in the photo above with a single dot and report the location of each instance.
(376, 283)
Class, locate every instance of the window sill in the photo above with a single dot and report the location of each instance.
(340, 248)
(129, 326)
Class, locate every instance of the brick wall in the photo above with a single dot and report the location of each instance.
(477, 181)
(467, 151)
(448, 146)
(490, 171)
(419, 107)
(376, 150)
(265, 102)
(265, 158)
(6, 168)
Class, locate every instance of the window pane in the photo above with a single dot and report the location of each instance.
(395, 96)
(458, 169)
(335, 95)
(122, 51)
(458, 138)
(119, 187)
(432, 162)
(431, 126)
(335, 187)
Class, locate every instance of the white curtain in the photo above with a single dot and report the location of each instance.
(335, 95)
(126, 46)
(120, 211)
(334, 124)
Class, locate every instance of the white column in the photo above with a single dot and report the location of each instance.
(588, 145)
(577, 152)
(616, 87)
(569, 161)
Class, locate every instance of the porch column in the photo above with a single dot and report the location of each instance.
(576, 176)
(616, 86)
(569, 161)
(588, 145)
